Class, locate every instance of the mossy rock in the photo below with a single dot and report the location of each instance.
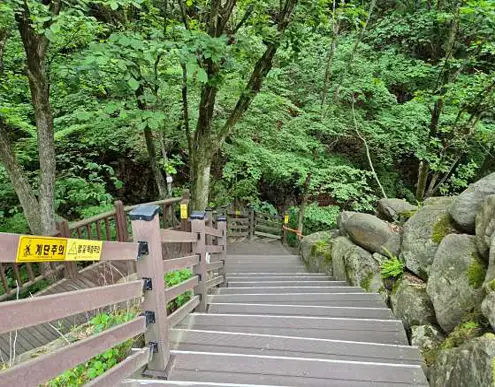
(470, 364)
(455, 279)
(411, 303)
(422, 234)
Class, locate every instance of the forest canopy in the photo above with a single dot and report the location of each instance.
(252, 101)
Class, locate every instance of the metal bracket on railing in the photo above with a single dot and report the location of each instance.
(143, 249)
(150, 317)
(153, 347)
(148, 284)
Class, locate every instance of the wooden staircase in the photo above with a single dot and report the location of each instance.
(274, 324)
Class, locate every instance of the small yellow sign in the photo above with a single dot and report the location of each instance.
(238, 212)
(41, 249)
(286, 219)
(83, 250)
(183, 211)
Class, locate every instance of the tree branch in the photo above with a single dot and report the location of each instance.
(368, 155)
(260, 71)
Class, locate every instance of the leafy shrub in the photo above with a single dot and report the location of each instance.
(174, 278)
(96, 366)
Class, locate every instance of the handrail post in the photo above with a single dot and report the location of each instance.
(222, 241)
(184, 204)
(199, 247)
(120, 222)
(70, 270)
(209, 223)
(284, 225)
(146, 231)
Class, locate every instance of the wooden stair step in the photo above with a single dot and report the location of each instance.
(269, 345)
(308, 282)
(302, 310)
(281, 371)
(365, 300)
(365, 330)
(288, 289)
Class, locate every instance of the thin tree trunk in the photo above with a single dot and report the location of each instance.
(330, 56)
(165, 159)
(20, 183)
(206, 143)
(304, 202)
(368, 155)
(422, 180)
(155, 168)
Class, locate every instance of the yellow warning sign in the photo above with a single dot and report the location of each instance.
(83, 250)
(41, 249)
(183, 211)
(286, 219)
(238, 212)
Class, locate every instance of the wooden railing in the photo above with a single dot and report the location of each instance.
(205, 238)
(112, 225)
(250, 223)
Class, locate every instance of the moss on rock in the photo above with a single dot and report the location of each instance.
(476, 272)
(441, 229)
(366, 282)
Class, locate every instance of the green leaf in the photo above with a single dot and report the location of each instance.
(202, 76)
(133, 84)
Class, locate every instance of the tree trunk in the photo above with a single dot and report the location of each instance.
(155, 168)
(20, 183)
(201, 165)
(304, 202)
(422, 180)
(35, 47)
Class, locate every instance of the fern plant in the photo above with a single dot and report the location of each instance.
(392, 268)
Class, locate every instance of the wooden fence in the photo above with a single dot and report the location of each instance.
(112, 225)
(250, 223)
(205, 238)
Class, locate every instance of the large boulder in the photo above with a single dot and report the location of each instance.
(372, 234)
(363, 270)
(489, 283)
(456, 279)
(470, 365)
(485, 225)
(426, 337)
(488, 308)
(357, 266)
(316, 249)
(411, 303)
(340, 247)
(343, 217)
(422, 234)
(311, 242)
(394, 210)
(466, 206)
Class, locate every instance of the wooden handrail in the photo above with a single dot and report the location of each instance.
(96, 218)
(39, 370)
(182, 312)
(111, 251)
(157, 202)
(214, 266)
(39, 310)
(214, 249)
(212, 231)
(175, 291)
(125, 368)
(180, 263)
(214, 281)
(175, 236)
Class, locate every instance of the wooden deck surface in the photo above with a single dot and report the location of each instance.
(274, 324)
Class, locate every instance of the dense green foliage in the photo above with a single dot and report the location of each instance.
(412, 81)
